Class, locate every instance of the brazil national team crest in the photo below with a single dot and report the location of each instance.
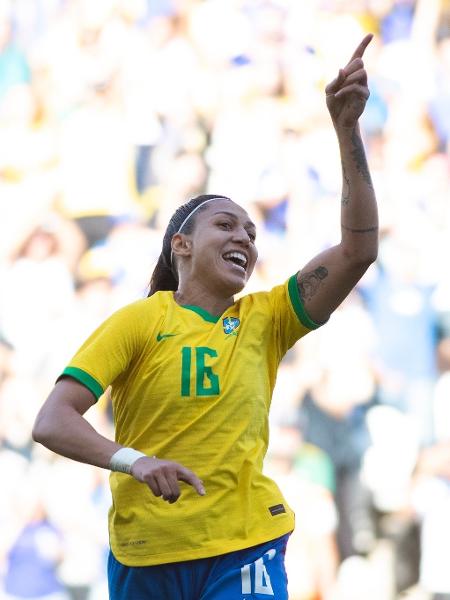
(230, 324)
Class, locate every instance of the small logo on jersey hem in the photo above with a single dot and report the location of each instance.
(163, 336)
(133, 543)
(278, 509)
(230, 324)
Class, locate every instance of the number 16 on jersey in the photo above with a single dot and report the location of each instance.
(197, 375)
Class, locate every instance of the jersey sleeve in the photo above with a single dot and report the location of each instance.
(109, 349)
(290, 319)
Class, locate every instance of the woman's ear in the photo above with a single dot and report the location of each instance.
(181, 245)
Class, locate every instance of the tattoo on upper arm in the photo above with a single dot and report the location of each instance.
(366, 230)
(309, 283)
(345, 187)
(359, 157)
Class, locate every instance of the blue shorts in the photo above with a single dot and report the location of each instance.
(256, 572)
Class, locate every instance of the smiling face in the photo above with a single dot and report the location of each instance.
(220, 252)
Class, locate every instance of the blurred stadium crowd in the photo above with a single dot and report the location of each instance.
(112, 113)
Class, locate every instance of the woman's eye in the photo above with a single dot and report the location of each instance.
(225, 225)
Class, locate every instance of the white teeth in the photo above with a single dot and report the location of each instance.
(238, 256)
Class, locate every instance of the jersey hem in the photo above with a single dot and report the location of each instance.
(84, 378)
(195, 554)
(297, 305)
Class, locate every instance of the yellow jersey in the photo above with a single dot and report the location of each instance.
(194, 388)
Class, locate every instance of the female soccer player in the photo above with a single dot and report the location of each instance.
(192, 374)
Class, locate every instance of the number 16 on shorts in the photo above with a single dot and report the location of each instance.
(255, 577)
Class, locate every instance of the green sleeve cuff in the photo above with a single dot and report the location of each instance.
(297, 305)
(84, 378)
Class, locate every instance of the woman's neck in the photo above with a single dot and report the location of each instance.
(201, 298)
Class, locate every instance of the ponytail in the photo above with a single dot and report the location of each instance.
(165, 275)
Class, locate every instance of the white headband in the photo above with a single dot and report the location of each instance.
(190, 215)
(196, 208)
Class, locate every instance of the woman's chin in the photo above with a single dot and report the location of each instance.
(235, 285)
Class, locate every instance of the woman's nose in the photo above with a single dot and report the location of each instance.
(242, 236)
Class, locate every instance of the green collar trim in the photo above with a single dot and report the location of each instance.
(297, 305)
(204, 314)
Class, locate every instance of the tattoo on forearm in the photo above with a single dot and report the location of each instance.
(359, 156)
(309, 283)
(367, 230)
(345, 187)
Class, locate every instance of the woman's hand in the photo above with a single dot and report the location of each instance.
(348, 93)
(162, 477)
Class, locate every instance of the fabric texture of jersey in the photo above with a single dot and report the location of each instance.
(256, 572)
(196, 389)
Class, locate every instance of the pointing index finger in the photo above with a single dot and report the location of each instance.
(358, 53)
(189, 477)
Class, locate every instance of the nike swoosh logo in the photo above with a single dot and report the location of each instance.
(163, 336)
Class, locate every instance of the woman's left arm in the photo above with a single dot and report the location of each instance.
(328, 278)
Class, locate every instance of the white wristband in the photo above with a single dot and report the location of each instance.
(124, 459)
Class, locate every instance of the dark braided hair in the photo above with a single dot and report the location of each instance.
(165, 276)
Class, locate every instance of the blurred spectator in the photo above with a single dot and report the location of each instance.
(31, 570)
(438, 106)
(400, 305)
(306, 476)
(37, 293)
(14, 68)
(397, 23)
(431, 500)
